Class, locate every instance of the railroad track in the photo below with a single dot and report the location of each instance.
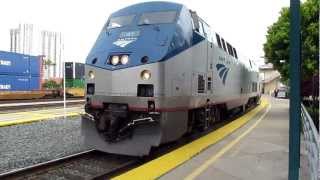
(98, 165)
(85, 165)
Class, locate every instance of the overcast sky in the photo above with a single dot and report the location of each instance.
(242, 23)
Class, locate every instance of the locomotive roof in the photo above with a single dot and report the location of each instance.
(148, 7)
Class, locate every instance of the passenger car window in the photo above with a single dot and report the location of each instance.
(157, 17)
(116, 22)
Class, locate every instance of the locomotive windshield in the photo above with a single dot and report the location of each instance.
(116, 22)
(157, 17)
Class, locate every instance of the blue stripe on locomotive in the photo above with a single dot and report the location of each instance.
(158, 42)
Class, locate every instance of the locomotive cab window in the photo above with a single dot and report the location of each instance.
(157, 17)
(207, 31)
(201, 30)
(195, 20)
(116, 22)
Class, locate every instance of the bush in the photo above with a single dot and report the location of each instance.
(51, 84)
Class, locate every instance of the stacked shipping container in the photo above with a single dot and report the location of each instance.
(74, 74)
(19, 72)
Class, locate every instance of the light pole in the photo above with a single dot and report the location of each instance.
(295, 100)
(64, 86)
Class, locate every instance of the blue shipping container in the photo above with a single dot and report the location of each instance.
(14, 83)
(35, 65)
(19, 83)
(19, 64)
(34, 83)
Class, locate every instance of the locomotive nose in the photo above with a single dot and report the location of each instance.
(139, 81)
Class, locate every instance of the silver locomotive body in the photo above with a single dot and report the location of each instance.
(182, 82)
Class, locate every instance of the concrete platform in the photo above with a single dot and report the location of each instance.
(12, 118)
(7, 104)
(258, 150)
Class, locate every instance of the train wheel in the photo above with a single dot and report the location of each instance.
(244, 107)
(191, 120)
(221, 112)
(212, 118)
(202, 115)
(217, 114)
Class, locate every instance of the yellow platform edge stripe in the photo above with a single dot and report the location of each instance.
(36, 118)
(158, 167)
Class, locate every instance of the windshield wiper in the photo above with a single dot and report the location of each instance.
(144, 24)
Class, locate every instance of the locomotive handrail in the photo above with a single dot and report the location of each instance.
(312, 144)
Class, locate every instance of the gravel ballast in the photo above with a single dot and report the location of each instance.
(28, 144)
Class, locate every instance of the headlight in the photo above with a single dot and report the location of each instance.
(124, 59)
(91, 74)
(145, 75)
(115, 60)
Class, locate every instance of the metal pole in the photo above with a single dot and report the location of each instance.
(295, 100)
(64, 89)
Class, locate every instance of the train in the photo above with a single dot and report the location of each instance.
(21, 77)
(156, 72)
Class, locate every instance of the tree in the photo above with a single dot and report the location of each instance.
(277, 46)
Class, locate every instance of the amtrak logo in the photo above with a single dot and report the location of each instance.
(126, 38)
(122, 43)
(223, 72)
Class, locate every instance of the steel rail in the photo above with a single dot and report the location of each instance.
(43, 164)
(55, 166)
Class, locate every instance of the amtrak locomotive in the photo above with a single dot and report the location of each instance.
(156, 72)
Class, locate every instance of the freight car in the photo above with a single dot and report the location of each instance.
(156, 72)
(74, 79)
(20, 76)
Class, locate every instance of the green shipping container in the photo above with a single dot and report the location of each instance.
(75, 83)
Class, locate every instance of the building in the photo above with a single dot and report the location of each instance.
(21, 39)
(51, 49)
(270, 78)
(29, 40)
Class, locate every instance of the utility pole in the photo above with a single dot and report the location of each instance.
(295, 99)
